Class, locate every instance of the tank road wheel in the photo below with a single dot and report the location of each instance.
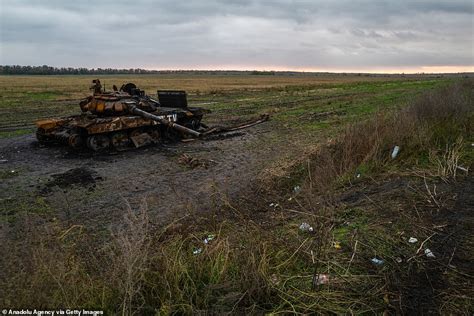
(194, 123)
(155, 135)
(120, 140)
(98, 142)
(136, 132)
(42, 137)
(75, 141)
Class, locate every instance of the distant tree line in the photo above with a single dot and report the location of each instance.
(49, 70)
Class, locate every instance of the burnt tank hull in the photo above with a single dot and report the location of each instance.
(122, 120)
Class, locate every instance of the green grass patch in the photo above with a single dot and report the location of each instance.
(42, 95)
(15, 133)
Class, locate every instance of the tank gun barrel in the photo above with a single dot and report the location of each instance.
(135, 110)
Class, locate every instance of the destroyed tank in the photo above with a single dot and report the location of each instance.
(124, 118)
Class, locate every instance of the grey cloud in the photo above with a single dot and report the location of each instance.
(241, 33)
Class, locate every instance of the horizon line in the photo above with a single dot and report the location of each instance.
(427, 70)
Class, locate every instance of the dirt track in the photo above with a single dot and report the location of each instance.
(83, 187)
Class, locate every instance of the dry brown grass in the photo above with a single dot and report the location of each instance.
(430, 127)
(77, 86)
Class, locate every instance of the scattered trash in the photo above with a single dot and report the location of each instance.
(395, 152)
(209, 238)
(305, 227)
(412, 240)
(429, 253)
(3, 160)
(297, 189)
(398, 260)
(337, 245)
(358, 175)
(275, 205)
(462, 169)
(193, 162)
(197, 251)
(13, 171)
(377, 261)
(320, 279)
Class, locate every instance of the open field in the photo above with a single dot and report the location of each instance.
(24, 99)
(124, 231)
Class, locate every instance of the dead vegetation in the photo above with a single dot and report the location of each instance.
(360, 202)
(193, 162)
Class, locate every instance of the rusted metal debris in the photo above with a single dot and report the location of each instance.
(193, 162)
(247, 124)
(128, 117)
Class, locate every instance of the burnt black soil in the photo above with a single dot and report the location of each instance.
(152, 174)
(82, 177)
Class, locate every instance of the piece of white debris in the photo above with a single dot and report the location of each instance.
(209, 238)
(462, 169)
(395, 152)
(376, 261)
(358, 175)
(412, 240)
(320, 279)
(197, 251)
(297, 189)
(398, 260)
(429, 253)
(305, 227)
(13, 171)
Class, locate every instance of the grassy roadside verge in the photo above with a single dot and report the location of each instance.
(361, 203)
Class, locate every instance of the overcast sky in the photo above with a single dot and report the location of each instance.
(312, 35)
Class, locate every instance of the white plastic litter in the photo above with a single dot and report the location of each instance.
(376, 261)
(462, 169)
(197, 251)
(395, 152)
(297, 189)
(305, 227)
(429, 253)
(412, 240)
(209, 238)
(321, 279)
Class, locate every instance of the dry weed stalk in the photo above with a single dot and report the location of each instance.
(448, 163)
(131, 243)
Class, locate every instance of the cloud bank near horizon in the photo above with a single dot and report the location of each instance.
(364, 35)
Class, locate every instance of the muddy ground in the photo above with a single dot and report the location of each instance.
(172, 179)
